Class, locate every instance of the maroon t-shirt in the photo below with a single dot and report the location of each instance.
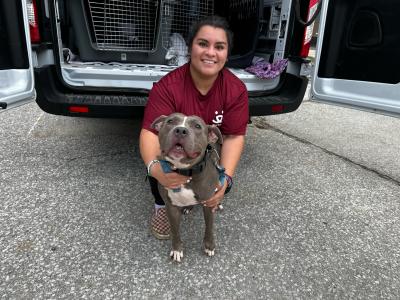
(225, 105)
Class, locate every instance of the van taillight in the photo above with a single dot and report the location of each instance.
(33, 21)
(308, 31)
(78, 109)
(278, 108)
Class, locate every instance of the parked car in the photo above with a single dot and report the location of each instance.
(100, 58)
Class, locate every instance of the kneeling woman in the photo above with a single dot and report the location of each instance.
(202, 87)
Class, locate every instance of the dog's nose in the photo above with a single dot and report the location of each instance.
(181, 131)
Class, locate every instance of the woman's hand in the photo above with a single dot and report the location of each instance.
(150, 150)
(231, 151)
(171, 180)
(216, 199)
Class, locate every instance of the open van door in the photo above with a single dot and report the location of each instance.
(16, 72)
(357, 55)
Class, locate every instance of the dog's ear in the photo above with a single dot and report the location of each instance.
(157, 123)
(214, 135)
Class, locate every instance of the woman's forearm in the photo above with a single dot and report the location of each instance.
(231, 151)
(149, 146)
(150, 149)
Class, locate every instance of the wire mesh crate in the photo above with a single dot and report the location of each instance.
(244, 19)
(128, 25)
(244, 9)
(132, 25)
(178, 16)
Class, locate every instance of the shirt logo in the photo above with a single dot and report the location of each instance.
(218, 118)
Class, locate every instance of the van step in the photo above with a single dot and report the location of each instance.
(90, 99)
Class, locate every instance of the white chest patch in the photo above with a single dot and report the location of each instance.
(185, 197)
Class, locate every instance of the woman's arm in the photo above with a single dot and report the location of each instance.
(149, 150)
(231, 151)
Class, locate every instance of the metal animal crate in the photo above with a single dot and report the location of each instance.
(244, 19)
(128, 25)
(178, 16)
(244, 9)
(133, 25)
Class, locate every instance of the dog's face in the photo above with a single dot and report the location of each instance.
(184, 139)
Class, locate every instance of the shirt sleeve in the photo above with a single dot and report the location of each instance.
(236, 115)
(160, 102)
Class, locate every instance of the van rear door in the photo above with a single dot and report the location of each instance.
(357, 55)
(16, 72)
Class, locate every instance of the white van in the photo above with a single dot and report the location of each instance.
(100, 58)
(356, 62)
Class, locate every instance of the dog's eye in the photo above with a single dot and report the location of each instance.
(170, 121)
(198, 126)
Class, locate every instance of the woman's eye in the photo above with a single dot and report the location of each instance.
(220, 47)
(202, 44)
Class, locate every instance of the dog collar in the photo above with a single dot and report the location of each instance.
(198, 168)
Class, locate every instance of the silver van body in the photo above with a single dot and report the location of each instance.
(100, 58)
(356, 62)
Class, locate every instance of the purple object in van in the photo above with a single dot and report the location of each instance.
(266, 70)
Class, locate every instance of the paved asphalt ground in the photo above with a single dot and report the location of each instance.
(314, 213)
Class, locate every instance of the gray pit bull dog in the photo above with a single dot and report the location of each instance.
(192, 148)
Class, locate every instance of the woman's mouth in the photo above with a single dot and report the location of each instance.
(209, 62)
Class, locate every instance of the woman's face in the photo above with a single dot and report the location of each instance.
(209, 51)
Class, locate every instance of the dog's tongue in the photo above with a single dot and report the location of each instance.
(179, 151)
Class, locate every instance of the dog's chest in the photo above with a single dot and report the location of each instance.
(183, 197)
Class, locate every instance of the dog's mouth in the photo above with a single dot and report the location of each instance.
(178, 151)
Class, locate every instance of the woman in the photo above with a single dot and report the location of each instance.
(201, 87)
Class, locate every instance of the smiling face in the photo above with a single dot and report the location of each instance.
(209, 52)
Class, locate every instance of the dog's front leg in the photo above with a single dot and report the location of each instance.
(174, 217)
(209, 244)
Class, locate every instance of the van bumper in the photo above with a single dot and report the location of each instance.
(54, 97)
(286, 98)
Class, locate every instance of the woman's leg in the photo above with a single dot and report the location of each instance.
(159, 220)
(155, 192)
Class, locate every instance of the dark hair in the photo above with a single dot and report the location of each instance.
(214, 21)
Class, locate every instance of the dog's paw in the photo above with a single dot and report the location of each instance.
(209, 252)
(176, 255)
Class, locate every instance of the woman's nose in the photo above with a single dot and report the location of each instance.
(210, 51)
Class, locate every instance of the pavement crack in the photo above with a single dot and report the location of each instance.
(261, 123)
